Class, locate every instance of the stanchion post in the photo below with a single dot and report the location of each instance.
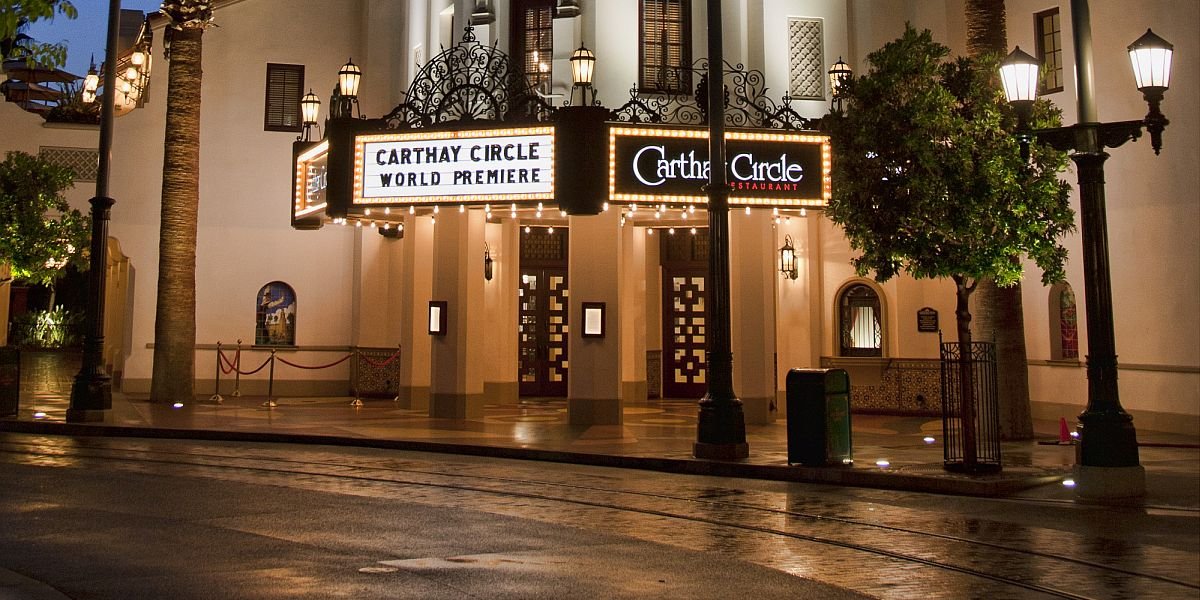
(216, 397)
(354, 368)
(398, 357)
(270, 403)
(237, 371)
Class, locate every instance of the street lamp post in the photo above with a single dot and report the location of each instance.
(91, 394)
(1107, 460)
(721, 427)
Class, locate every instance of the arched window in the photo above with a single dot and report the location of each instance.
(860, 322)
(1064, 323)
(275, 315)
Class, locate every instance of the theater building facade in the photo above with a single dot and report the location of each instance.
(514, 236)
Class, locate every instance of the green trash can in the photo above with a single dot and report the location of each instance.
(10, 381)
(818, 417)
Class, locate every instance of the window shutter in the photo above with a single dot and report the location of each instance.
(285, 87)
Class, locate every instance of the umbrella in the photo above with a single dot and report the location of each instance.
(19, 68)
(18, 91)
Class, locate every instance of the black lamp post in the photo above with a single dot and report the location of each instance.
(1108, 464)
(91, 394)
(721, 426)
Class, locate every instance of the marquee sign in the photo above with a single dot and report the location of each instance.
(309, 198)
(670, 165)
(486, 165)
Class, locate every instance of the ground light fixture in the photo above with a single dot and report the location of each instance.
(787, 259)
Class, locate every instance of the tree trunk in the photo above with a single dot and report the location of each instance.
(175, 312)
(962, 314)
(999, 310)
(1000, 316)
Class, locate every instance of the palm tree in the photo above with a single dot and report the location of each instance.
(998, 310)
(175, 312)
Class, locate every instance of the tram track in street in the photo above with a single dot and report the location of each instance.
(1014, 569)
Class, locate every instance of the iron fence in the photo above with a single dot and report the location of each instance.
(970, 408)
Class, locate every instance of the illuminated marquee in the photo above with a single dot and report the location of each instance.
(766, 168)
(311, 181)
(491, 165)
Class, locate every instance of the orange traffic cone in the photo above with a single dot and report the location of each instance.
(1064, 433)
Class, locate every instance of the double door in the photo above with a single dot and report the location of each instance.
(542, 331)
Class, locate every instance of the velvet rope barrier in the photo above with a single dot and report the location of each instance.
(334, 363)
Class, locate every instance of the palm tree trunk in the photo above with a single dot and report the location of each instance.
(999, 310)
(986, 27)
(175, 312)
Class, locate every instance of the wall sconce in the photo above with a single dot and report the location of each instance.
(487, 262)
(437, 317)
(787, 259)
(839, 75)
(593, 319)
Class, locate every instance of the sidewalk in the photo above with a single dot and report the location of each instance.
(889, 452)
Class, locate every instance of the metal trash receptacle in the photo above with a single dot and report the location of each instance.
(818, 417)
(10, 381)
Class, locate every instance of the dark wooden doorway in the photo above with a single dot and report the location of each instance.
(542, 313)
(685, 284)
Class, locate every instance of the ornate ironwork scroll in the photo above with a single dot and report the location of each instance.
(746, 103)
(469, 82)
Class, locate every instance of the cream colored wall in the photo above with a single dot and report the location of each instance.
(1153, 213)
(245, 191)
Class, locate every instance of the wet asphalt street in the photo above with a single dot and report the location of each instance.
(130, 518)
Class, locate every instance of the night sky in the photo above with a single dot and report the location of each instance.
(85, 35)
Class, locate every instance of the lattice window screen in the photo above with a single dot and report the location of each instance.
(806, 60)
(85, 162)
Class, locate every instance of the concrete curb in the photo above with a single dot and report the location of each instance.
(936, 482)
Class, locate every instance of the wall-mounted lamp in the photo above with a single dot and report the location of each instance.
(839, 75)
(487, 262)
(583, 69)
(787, 259)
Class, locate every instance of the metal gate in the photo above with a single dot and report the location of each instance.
(971, 430)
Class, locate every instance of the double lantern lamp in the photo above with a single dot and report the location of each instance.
(1149, 55)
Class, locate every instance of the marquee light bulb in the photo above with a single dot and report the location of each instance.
(528, 229)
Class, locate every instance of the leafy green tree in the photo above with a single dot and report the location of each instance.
(929, 178)
(39, 232)
(16, 16)
(175, 310)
